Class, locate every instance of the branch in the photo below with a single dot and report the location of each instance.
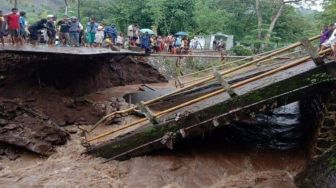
(291, 1)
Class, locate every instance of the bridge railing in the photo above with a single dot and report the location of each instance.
(179, 82)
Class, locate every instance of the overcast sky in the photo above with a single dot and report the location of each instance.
(317, 5)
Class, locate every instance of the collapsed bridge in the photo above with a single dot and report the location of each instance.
(225, 97)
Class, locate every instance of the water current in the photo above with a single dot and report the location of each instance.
(263, 153)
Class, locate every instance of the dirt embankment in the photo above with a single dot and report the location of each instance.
(40, 95)
(75, 75)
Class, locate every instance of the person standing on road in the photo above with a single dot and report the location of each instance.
(23, 26)
(99, 38)
(145, 42)
(74, 31)
(51, 32)
(91, 30)
(64, 27)
(130, 33)
(13, 21)
(111, 33)
(34, 30)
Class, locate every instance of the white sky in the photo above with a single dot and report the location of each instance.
(316, 6)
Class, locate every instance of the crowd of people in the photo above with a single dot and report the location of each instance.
(69, 32)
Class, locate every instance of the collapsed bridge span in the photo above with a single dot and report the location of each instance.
(278, 86)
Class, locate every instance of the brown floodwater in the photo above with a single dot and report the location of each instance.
(200, 165)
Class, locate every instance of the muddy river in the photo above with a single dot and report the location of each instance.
(210, 162)
(207, 164)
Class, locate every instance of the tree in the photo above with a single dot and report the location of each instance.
(66, 7)
(279, 5)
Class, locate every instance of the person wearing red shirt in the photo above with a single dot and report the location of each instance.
(13, 21)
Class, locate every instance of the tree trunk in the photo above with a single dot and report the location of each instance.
(272, 25)
(15, 4)
(259, 17)
(260, 22)
(78, 9)
(66, 7)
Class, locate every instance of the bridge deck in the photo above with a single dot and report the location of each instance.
(143, 137)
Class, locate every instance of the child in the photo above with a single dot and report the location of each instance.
(2, 29)
(99, 36)
(120, 41)
(23, 26)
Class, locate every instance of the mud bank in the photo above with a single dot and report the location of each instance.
(41, 93)
(74, 75)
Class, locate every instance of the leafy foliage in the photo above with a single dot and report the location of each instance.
(242, 50)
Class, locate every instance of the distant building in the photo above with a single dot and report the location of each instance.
(210, 42)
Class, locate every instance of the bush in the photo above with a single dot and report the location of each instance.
(242, 50)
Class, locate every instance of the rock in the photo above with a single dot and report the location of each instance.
(10, 127)
(117, 120)
(113, 99)
(71, 130)
(69, 102)
(120, 99)
(3, 122)
(320, 172)
(54, 138)
(124, 114)
(69, 120)
(61, 123)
